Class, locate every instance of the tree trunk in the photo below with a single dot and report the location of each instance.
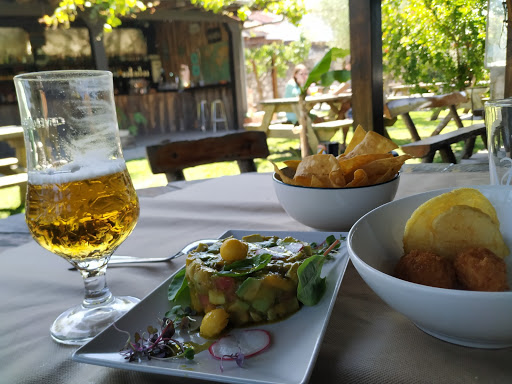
(259, 88)
(274, 77)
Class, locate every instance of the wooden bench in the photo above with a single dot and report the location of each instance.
(19, 180)
(172, 158)
(327, 129)
(427, 147)
(8, 165)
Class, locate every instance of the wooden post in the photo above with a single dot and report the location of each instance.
(303, 121)
(508, 66)
(366, 62)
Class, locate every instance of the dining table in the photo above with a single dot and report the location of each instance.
(365, 340)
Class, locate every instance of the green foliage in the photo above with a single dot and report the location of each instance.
(434, 41)
(110, 12)
(321, 73)
(292, 10)
(259, 59)
(335, 14)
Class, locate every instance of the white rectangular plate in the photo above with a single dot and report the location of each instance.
(295, 341)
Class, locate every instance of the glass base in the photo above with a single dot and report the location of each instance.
(79, 324)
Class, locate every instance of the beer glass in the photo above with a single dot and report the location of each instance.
(498, 122)
(81, 203)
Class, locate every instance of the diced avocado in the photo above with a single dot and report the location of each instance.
(255, 238)
(249, 289)
(238, 312)
(292, 272)
(216, 297)
(256, 317)
(238, 306)
(263, 304)
(264, 299)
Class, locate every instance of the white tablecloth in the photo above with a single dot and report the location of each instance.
(365, 342)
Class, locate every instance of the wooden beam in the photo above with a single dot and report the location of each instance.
(366, 62)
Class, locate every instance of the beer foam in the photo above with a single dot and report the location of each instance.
(77, 170)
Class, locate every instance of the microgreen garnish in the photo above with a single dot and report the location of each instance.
(156, 345)
(239, 358)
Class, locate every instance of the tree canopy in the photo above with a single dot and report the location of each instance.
(434, 41)
(111, 12)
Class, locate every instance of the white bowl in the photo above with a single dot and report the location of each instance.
(474, 319)
(332, 209)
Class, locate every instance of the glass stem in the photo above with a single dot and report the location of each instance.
(96, 289)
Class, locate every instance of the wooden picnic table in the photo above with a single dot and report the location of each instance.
(402, 106)
(291, 104)
(427, 147)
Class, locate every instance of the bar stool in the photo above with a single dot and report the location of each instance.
(202, 106)
(218, 114)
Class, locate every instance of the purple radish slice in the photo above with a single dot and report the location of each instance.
(247, 343)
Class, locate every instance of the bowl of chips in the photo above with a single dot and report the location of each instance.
(443, 261)
(331, 193)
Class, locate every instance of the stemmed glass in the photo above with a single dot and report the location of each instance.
(81, 203)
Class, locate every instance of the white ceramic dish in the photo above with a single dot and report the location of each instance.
(475, 319)
(290, 359)
(332, 209)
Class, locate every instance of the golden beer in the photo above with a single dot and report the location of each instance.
(81, 218)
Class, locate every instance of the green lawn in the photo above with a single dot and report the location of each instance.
(280, 149)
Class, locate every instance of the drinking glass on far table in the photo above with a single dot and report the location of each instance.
(498, 122)
(81, 203)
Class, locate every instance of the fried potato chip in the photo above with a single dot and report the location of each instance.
(463, 226)
(360, 179)
(292, 164)
(359, 134)
(284, 177)
(349, 166)
(319, 164)
(321, 181)
(384, 169)
(367, 152)
(337, 178)
(372, 143)
(418, 233)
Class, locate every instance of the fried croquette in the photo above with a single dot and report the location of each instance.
(479, 269)
(427, 268)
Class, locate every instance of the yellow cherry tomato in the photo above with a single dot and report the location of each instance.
(233, 250)
(214, 323)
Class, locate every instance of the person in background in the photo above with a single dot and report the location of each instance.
(300, 75)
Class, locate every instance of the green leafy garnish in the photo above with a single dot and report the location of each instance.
(178, 288)
(311, 286)
(245, 266)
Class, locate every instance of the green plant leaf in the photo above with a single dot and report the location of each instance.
(323, 66)
(246, 266)
(311, 286)
(178, 288)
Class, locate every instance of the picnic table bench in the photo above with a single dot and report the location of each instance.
(13, 169)
(427, 148)
(172, 157)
